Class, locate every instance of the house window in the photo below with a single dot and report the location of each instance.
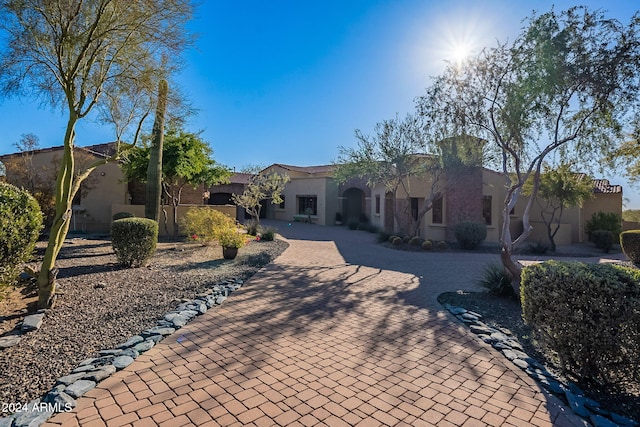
(414, 208)
(281, 205)
(308, 205)
(436, 211)
(377, 204)
(486, 209)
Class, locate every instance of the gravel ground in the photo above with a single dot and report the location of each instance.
(101, 305)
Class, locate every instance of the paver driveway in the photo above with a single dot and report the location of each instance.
(337, 331)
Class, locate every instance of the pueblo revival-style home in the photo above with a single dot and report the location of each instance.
(312, 193)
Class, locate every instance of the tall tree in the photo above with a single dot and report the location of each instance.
(154, 169)
(186, 160)
(559, 188)
(396, 153)
(566, 84)
(68, 54)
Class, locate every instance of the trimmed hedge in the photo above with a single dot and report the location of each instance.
(121, 215)
(630, 243)
(201, 224)
(470, 234)
(586, 316)
(134, 240)
(20, 225)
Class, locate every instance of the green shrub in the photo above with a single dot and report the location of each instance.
(392, 238)
(415, 241)
(539, 248)
(604, 221)
(201, 224)
(120, 215)
(353, 225)
(442, 245)
(586, 316)
(397, 241)
(134, 240)
(20, 225)
(268, 234)
(603, 239)
(405, 239)
(427, 245)
(228, 236)
(496, 281)
(252, 227)
(383, 236)
(630, 242)
(470, 234)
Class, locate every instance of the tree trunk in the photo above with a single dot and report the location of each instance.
(154, 170)
(61, 221)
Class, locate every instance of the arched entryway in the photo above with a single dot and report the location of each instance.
(220, 199)
(353, 208)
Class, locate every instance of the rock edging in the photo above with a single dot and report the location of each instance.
(503, 341)
(62, 397)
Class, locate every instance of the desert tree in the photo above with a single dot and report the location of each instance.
(263, 185)
(568, 84)
(398, 152)
(69, 54)
(559, 188)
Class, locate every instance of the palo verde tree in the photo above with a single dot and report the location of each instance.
(186, 160)
(68, 54)
(262, 185)
(559, 188)
(397, 154)
(566, 83)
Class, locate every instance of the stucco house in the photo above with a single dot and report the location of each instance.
(92, 206)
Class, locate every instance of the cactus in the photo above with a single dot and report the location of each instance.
(154, 170)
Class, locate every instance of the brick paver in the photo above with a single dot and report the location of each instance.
(337, 331)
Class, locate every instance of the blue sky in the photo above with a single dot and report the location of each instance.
(289, 81)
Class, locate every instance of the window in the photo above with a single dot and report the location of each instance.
(308, 205)
(414, 208)
(436, 211)
(281, 205)
(486, 209)
(377, 204)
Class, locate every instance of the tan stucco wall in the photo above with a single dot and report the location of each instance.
(138, 210)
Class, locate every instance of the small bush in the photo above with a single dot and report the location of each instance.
(442, 245)
(383, 236)
(496, 281)
(372, 228)
(427, 245)
(134, 240)
(121, 215)
(415, 241)
(268, 234)
(586, 316)
(470, 234)
(405, 239)
(604, 221)
(603, 239)
(392, 238)
(20, 225)
(397, 241)
(230, 237)
(353, 225)
(630, 242)
(252, 227)
(201, 224)
(539, 248)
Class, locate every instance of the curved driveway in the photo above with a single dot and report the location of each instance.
(337, 331)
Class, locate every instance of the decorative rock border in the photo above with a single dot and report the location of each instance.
(502, 340)
(30, 323)
(62, 397)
